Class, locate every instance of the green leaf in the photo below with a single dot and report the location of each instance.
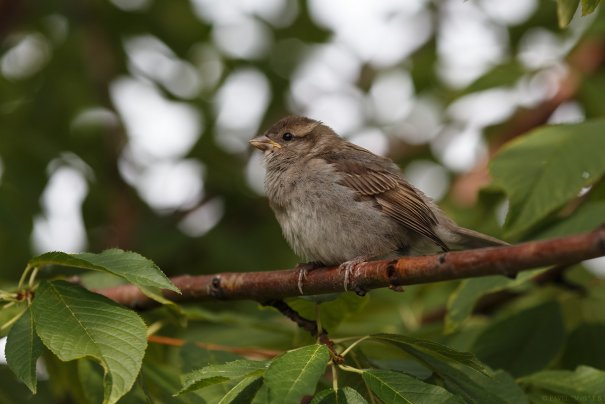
(205, 382)
(524, 342)
(346, 395)
(159, 379)
(127, 265)
(504, 386)
(506, 74)
(412, 345)
(395, 387)
(462, 374)
(542, 171)
(591, 93)
(409, 367)
(565, 11)
(585, 347)
(193, 357)
(90, 377)
(472, 385)
(589, 6)
(462, 301)
(262, 395)
(327, 396)
(585, 384)
(9, 314)
(243, 392)
(353, 396)
(75, 323)
(214, 374)
(23, 348)
(585, 218)
(295, 373)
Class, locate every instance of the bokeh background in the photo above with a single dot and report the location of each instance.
(124, 123)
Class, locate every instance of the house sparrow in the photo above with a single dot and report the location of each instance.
(338, 203)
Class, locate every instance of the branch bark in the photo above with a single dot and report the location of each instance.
(271, 285)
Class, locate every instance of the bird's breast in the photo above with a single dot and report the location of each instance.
(325, 221)
(300, 183)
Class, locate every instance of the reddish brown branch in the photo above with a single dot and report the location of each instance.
(265, 286)
(251, 353)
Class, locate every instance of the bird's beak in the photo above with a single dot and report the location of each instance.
(264, 143)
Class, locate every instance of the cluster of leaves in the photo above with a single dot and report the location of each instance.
(74, 323)
(541, 173)
(532, 351)
(295, 374)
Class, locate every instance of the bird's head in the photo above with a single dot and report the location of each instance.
(294, 136)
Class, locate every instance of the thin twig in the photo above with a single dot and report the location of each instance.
(252, 353)
(308, 325)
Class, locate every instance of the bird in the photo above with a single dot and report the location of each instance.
(340, 204)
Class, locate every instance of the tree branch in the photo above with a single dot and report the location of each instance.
(266, 286)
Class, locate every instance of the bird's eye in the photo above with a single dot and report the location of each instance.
(287, 136)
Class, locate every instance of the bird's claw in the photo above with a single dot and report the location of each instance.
(302, 275)
(303, 269)
(348, 267)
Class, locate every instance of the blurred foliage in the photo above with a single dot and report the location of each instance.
(60, 65)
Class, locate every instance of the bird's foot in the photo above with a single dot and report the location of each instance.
(348, 267)
(303, 269)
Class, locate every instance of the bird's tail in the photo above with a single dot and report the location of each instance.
(465, 239)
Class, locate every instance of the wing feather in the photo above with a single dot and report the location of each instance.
(394, 196)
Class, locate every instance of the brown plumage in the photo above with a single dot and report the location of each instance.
(337, 202)
(393, 194)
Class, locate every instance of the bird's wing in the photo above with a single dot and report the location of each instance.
(375, 176)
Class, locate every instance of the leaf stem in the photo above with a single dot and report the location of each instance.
(8, 296)
(32, 278)
(347, 368)
(353, 345)
(334, 376)
(26, 272)
(155, 327)
(12, 321)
